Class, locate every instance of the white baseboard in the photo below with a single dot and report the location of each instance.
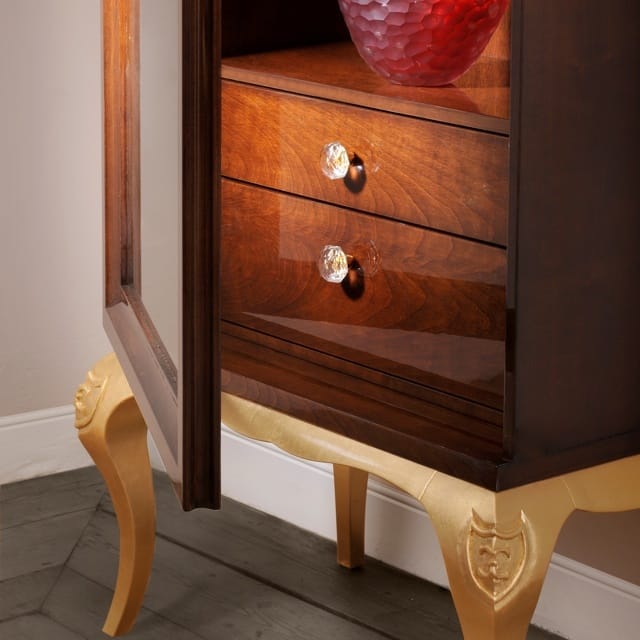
(39, 443)
(577, 601)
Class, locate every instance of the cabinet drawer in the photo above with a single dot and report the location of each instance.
(435, 175)
(433, 313)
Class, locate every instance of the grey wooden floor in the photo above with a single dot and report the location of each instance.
(234, 574)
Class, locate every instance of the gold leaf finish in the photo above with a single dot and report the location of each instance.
(112, 430)
(88, 397)
(496, 556)
(496, 546)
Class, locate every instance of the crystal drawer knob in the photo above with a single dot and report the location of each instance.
(333, 263)
(334, 161)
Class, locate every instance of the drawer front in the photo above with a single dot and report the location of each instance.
(430, 309)
(434, 175)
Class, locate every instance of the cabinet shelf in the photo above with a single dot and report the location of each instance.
(335, 71)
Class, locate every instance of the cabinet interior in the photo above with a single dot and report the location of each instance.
(272, 45)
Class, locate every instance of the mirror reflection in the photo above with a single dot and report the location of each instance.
(161, 166)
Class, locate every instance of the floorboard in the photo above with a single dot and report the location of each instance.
(39, 545)
(209, 598)
(42, 498)
(233, 574)
(34, 626)
(81, 605)
(26, 593)
(304, 564)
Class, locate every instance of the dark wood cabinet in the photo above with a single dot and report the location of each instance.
(488, 323)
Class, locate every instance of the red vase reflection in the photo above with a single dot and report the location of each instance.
(421, 42)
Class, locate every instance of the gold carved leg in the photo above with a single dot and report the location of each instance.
(112, 430)
(351, 498)
(496, 546)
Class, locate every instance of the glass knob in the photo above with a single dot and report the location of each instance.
(333, 263)
(334, 161)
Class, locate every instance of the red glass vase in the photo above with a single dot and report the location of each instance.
(421, 42)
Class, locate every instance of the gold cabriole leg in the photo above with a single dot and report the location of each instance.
(112, 430)
(351, 498)
(496, 546)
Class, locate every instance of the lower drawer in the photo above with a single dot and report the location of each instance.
(419, 305)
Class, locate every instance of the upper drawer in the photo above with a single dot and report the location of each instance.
(434, 175)
(430, 310)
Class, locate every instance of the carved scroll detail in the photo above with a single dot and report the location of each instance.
(496, 556)
(88, 397)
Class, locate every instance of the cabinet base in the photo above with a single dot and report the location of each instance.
(112, 430)
(496, 546)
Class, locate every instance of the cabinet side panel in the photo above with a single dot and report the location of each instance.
(576, 264)
(199, 392)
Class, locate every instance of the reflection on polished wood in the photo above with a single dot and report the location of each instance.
(478, 99)
(433, 312)
(351, 500)
(112, 430)
(417, 171)
(496, 546)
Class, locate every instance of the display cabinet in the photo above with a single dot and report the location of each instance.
(454, 309)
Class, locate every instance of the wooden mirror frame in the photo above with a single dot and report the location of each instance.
(179, 401)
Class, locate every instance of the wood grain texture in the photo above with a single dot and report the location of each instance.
(454, 442)
(36, 626)
(31, 547)
(40, 498)
(79, 604)
(378, 601)
(47, 513)
(350, 489)
(118, 20)
(200, 317)
(151, 372)
(177, 404)
(559, 132)
(412, 396)
(437, 176)
(393, 603)
(335, 71)
(215, 600)
(575, 266)
(26, 593)
(571, 386)
(433, 311)
(499, 46)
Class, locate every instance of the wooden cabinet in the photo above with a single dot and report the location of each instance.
(493, 335)
(455, 311)
(416, 170)
(483, 344)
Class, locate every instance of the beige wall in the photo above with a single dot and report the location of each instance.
(50, 232)
(50, 200)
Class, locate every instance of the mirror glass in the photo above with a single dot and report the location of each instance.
(161, 166)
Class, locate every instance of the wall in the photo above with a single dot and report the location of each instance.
(51, 264)
(50, 200)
